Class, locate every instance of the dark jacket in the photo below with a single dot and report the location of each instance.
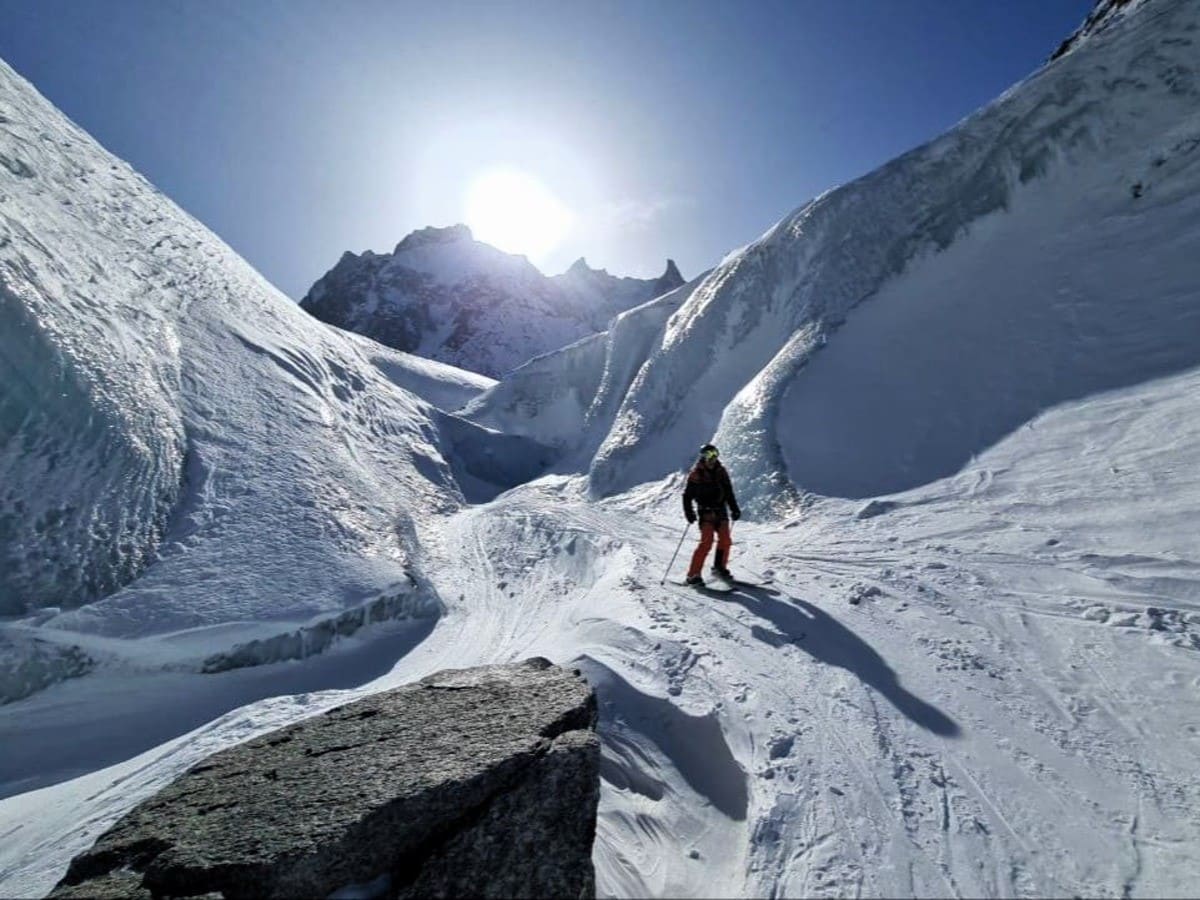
(711, 490)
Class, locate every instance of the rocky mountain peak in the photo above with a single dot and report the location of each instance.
(669, 279)
(466, 303)
(581, 269)
(423, 237)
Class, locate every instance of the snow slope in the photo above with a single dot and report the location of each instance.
(443, 295)
(1103, 14)
(982, 684)
(1021, 332)
(1106, 137)
(443, 386)
(568, 398)
(185, 455)
(933, 702)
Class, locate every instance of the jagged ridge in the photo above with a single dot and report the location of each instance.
(445, 296)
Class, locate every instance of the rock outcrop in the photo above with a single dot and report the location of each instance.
(1103, 14)
(480, 782)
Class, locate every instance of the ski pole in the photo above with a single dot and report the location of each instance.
(686, 528)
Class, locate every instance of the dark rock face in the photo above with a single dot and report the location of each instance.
(668, 280)
(480, 782)
(443, 295)
(1103, 13)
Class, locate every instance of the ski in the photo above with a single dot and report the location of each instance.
(711, 587)
(765, 584)
(718, 585)
(768, 586)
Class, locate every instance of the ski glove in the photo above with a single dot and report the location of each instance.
(690, 516)
(735, 513)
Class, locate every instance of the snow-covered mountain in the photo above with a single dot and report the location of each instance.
(956, 250)
(445, 296)
(182, 448)
(607, 295)
(960, 398)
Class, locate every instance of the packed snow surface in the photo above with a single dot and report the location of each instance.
(962, 397)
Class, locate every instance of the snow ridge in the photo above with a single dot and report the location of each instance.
(183, 451)
(982, 685)
(767, 309)
(1104, 13)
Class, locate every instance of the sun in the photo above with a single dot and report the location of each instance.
(515, 212)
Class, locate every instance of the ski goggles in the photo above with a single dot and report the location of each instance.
(709, 454)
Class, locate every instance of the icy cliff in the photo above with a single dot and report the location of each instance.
(1037, 252)
(181, 448)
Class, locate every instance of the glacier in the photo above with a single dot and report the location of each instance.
(959, 396)
(1120, 111)
(183, 448)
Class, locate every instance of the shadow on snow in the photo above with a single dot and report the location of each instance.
(123, 717)
(828, 640)
(694, 745)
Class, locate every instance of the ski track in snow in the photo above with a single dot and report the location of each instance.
(984, 686)
(1008, 755)
(850, 787)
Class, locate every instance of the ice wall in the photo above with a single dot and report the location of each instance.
(727, 356)
(568, 399)
(91, 434)
(183, 451)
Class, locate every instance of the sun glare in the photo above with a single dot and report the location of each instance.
(514, 211)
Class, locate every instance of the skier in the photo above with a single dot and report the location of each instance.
(709, 487)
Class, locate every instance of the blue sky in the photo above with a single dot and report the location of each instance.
(297, 129)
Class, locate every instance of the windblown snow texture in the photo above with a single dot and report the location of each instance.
(980, 684)
(180, 446)
(568, 399)
(443, 295)
(92, 442)
(1105, 138)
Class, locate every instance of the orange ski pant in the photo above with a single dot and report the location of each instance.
(724, 542)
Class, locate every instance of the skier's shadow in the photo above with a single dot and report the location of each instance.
(825, 638)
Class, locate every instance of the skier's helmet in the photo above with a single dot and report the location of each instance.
(709, 452)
